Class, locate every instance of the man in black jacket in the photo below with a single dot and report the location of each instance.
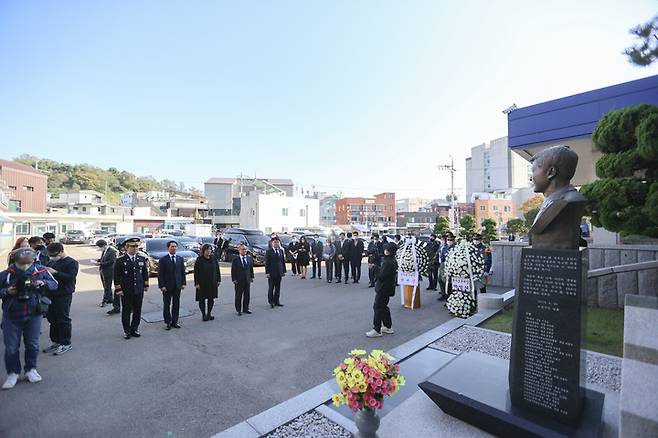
(375, 252)
(106, 268)
(348, 246)
(275, 269)
(171, 279)
(242, 275)
(65, 271)
(340, 257)
(433, 272)
(357, 256)
(384, 290)
(316, 255)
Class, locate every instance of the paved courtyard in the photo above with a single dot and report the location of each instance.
(206, 376)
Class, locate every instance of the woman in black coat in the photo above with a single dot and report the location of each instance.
(303, 256)
(206, 280)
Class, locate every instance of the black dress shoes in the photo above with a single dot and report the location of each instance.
(248, 312)
(210, 317)
(135, 334)
(239, 313)
(272, 306)
(175, 325)
(279, 305)
(113, 311)
(126, 335)
(168, 327)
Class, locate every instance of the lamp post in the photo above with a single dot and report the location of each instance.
(453, 210)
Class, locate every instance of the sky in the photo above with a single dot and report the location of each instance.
(356, 96)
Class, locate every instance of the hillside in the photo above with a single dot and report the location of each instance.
(64, 177)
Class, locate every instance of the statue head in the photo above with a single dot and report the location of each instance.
(553, 168)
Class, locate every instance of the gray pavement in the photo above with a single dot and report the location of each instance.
(206, 376)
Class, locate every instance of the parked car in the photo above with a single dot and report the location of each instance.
(255, 241)
(190, 243)
(156, 248)
(74, 236)
(207, 239)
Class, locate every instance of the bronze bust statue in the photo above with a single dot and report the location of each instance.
(557, 225)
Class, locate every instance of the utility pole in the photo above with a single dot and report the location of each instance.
(453, 208)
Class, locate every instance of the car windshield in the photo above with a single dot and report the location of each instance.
(285, 239)
(74, 232)
(257, 240)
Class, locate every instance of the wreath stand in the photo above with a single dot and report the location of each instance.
(408, 281)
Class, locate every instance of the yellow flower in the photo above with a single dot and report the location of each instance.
(357, 352)
(340, 379)
(362, 387)
(349, 361)
(336, 399)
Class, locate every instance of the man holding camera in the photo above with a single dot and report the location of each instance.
(22, 288)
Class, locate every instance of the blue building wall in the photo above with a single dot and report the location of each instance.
(577, 115)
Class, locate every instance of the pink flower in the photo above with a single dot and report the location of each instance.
(372, 403)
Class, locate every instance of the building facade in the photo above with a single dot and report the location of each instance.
(411, 204)
(277, 212)
(225, 196)
(378, 211)
(415, 219)
(26, 187)
(328, 211)
(493, 167)
(87, 202)
(496, 206)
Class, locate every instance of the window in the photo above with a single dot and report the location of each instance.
(495, 207)
(483, 208)
(12, 187)
(28, 188)
(23, 228)
(84, 208)
(284, 212)
(302, 212)
(268, 230)
(14, 205)
(390, 208)
(63, 228)
(507, 208)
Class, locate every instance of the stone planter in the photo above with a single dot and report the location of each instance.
(367, 422)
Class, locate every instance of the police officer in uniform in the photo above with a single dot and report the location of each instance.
(485, 251)
(131, 276)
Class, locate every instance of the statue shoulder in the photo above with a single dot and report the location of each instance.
(574, 196)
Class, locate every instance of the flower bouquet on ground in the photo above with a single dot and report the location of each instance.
(364, 379)
(464, 267)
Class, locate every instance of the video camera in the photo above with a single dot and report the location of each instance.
(24, 286)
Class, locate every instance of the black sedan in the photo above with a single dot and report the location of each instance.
(156, 248)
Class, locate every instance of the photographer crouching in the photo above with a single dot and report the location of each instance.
(65, 270)
(23, 286)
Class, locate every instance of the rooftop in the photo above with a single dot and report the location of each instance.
(19, 166)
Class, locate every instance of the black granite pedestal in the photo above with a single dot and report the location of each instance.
(474, 387)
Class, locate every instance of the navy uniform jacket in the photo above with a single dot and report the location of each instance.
(131, 278)
(169, 275)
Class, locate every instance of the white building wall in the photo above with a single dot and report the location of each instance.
(278, 213)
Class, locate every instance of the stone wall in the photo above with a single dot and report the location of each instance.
(606, 291)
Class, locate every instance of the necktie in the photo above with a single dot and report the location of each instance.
(244, 262)
(173, 259)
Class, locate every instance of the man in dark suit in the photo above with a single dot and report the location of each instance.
(242, 275)
(340, 256)
(275, 269)
(316, 256)
(357, 256)
(348, 247)
(171, 279)
(131, 280)
(106, 268)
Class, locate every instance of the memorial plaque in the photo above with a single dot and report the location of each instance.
(545, 363)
